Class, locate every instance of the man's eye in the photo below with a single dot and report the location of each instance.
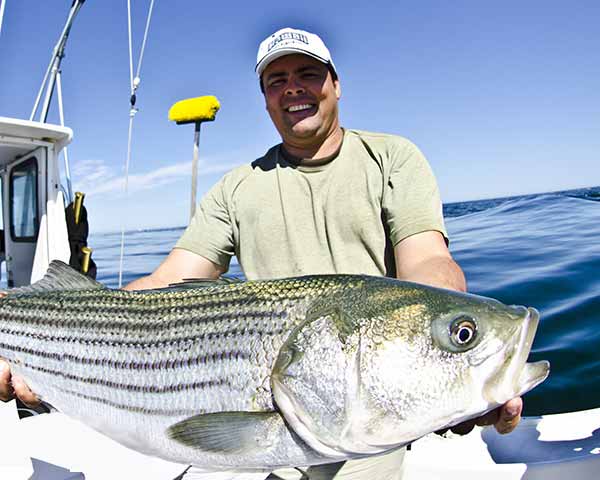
(276, 83)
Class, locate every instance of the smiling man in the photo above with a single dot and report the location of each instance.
(325, 200)
(301, 96)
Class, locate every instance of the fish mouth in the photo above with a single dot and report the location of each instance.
(519, 377)
(532, 374)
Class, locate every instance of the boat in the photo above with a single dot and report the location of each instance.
(36, 230)
(33, 203)
(547, 447)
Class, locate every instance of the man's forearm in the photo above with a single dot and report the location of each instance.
(146, 283)
(179, 265)
(438, 271)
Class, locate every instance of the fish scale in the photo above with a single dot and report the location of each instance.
(258, 375)
(201, 343)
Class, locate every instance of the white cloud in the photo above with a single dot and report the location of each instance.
(95, 176)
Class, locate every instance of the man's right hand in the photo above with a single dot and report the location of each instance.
(15, 386)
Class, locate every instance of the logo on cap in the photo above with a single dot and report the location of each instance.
(293, 36)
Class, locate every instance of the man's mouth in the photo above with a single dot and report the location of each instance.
(299, 108)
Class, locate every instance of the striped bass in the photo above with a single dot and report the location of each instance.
(248, 377)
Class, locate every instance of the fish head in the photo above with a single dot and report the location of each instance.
(368, 376)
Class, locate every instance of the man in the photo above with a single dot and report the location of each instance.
(326, 200)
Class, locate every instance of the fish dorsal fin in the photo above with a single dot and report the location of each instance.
(59, 276)
(190, 283)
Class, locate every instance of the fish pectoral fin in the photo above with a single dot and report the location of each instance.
(228, 432)
(59, 276)
(194, 473)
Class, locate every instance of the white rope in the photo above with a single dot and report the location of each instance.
(134, 84)
(2, 5)
(139, 67)
(130, 47)
(121, 254)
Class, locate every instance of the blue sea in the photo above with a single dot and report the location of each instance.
(538, 250)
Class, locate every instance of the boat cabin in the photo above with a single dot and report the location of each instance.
(32, 215)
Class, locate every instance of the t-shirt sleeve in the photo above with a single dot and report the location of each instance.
(411, 200)
(210, 233)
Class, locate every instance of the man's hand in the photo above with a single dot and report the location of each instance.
(504, 419)
(15, 386)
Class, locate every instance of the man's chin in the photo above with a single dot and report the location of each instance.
(304, 129)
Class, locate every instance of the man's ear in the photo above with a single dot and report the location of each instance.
(338, 89)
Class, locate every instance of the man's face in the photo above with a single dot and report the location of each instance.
(301, 98)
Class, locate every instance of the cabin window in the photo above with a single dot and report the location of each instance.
(24, 219)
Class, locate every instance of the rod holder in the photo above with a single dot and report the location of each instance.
(77, 206)
(85, 261)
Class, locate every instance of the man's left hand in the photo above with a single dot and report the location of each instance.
(504, 418)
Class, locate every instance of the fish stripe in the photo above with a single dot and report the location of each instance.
(35, 318)
(179, 387)
(117, 342)
(133, 409)
(171, 363)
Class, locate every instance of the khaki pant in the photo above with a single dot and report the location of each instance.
(383, 467)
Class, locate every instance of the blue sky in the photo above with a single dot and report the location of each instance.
(502, 97)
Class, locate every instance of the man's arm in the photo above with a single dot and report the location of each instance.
(179, 265)
(424, 258)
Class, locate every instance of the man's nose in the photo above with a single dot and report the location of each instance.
(293, 87)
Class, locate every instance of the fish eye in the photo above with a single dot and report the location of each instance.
(463, 330)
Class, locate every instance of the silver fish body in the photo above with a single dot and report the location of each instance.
(266, 374)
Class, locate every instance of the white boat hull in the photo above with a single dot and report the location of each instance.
(562, 446)
(552, 447)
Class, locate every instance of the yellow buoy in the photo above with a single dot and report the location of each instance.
(199, 109)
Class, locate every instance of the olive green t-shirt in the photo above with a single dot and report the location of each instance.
(283, 219)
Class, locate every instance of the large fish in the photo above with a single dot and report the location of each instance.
(254, 376)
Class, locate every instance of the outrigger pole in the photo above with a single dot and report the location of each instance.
(52, 78)
(54, 66)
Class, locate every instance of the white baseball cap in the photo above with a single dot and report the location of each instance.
(290, 40)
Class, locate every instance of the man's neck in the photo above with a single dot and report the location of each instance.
(315, 153)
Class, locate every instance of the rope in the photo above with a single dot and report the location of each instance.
(122, 251)
(2, 5)
(130, 48)
(139, 67)
(134, 84)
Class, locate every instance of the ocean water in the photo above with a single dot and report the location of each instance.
(537, 250)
